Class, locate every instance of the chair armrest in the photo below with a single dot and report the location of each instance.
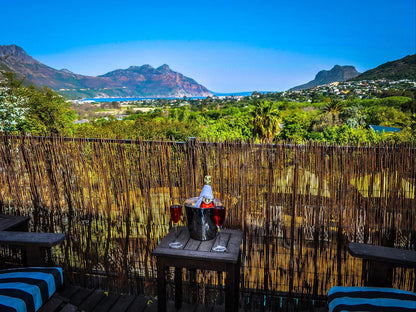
(35, 246)
(397, 256)
(31, 239)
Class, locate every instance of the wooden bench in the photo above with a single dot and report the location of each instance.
(380, 261)
(35, 246)
(14, 223)
(377, 272)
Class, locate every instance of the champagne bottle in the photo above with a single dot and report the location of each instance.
(206, 198)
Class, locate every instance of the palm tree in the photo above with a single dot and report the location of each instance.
(329, 116)
(334, 106)
(265, 119)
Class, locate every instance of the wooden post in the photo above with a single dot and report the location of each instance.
(194, 286)
(34, 256)
(178, 287)
(230, 283)
(378, 274)
(161, 285)
(193, 160)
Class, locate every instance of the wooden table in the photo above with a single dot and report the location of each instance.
(199, 255)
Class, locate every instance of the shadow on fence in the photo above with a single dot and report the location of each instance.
(299, 206)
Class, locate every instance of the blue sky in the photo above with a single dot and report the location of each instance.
(228, 46)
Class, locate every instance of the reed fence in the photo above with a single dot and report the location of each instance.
(299, 206)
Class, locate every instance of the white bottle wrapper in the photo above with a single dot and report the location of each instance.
(205, 193)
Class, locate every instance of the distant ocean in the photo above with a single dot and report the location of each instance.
(169, 98)
(130, 99)
(247, 93)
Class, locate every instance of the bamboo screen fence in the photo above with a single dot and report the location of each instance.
(299, 206)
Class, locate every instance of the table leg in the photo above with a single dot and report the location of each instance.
(34, 256)
(161, 285)
(230, 287)
(220, 295)
(178, 288)
(379, 274)
(194, 289)
(237, 283)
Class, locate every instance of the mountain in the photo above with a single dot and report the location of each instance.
(16, 59)
(149, 81)
(4, 67)
(337, 73)
(404, 68)
(136, 81)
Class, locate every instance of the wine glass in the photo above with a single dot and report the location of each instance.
(219, 216)
(175, 214)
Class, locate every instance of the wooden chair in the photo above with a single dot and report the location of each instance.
(35, 246)
(378, 294)
(27, 289)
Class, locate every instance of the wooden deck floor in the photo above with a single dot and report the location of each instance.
(76, 299)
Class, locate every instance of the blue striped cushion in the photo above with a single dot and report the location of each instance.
(370, 299)
(26, 289)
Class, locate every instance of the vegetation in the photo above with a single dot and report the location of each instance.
(33, 110)
(264, 119)
(259, 117)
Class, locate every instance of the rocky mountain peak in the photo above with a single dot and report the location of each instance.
(164, 68)
(337, 73)
(66, 71)
(13, 53)
(138, 68)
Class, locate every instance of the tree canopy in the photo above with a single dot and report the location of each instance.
(265, 120)
(36, 110)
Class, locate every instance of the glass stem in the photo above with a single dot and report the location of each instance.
(176, 232)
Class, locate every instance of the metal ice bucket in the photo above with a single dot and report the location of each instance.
(201, 222)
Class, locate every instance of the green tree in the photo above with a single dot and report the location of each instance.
(13, 104)
(333, 106)
(387, 116)
(352, 117)
(228, 129)
(48, 112)
(296, 126)
(265, 120)
(323, 121)
(329, 116)
(29, 109)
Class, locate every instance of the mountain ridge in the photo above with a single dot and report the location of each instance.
(135, 81)
(337, 73)
(404, 68)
